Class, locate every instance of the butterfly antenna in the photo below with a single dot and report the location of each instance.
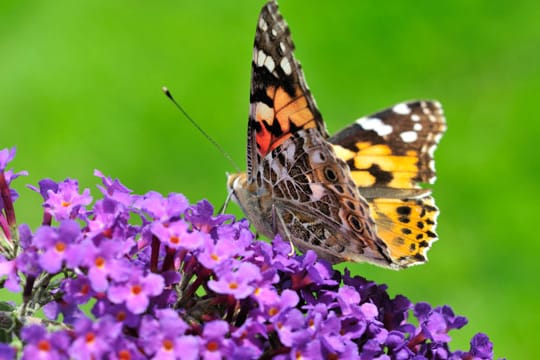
(204, 133)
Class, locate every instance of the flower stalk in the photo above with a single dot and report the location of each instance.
(9, 211)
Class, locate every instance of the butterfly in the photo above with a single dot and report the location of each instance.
(355, 196)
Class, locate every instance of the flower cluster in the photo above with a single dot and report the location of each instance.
(152, 276)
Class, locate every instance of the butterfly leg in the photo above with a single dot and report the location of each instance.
(226, 203)
(277, 217)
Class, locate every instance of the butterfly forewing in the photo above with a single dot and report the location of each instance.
(280, 100)
(394, 147)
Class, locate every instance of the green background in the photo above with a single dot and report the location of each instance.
(80, 90)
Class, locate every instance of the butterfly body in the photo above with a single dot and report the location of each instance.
(354, 196)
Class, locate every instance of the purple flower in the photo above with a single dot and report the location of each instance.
(44, 186)
(59, 245)
(136, 292)
(109, 220)
(164, 337)
(28, 262)
(6, 156)
(9, 269)
(215, 345)
(123, 348)
(272, 307)
(348, 299)
(481, 347)
(397, 345)
(161, 208)
(372, 349)
(249, 339)
(309, 350)
(119, 312)
(25, 236)
(239, 234)
(106, 262)
(77, 291)
(114, 189)
(202, 217)
(238, 281)
(435, 323)
(290, 326)
(214, 253)
(7, 352)
(176, 235)
(169, 279)
(229, 241)
(39, 344)
(66, 202)
(93, 339)
(69, 311)
(325, 325)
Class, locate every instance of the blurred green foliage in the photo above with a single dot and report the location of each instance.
(80, 90)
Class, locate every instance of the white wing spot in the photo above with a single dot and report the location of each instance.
(282, 47)
(264, 111)
(261, 56)
(415, 117)
(409, 136)
(269, 63)
(317, 157)
(417, 127)
(376, 125)
(290, 151)
(286, 66)
(274, 32)
(317, 190)
(263, 25)
(276, 166)
(425, 109)
(431, 150)
(402, 109)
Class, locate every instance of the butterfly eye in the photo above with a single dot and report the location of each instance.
(330, 174)
(354, 222)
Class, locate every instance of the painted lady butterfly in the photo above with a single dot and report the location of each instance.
(354, 196)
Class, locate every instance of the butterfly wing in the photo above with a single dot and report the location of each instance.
(280, 100)
(390, 154)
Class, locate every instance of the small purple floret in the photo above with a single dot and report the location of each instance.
(66, 202)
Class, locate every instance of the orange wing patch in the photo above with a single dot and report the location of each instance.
(276, 124)
(406, 226)
(375, 165)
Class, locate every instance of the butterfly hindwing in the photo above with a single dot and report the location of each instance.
(407, 226)
(390, 154)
